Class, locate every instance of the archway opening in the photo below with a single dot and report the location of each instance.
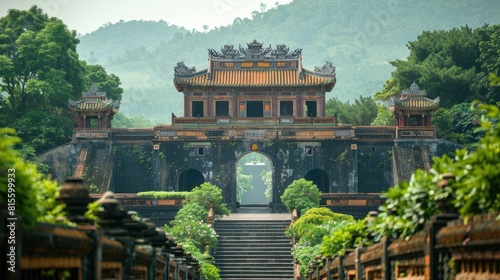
(189, 179)
(254, 179)
(320, 179)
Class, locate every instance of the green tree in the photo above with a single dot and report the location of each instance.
(301, 195)
(458, 124)
(362, 112)
(244, 182)
(190, 230)
(384, 117)
(109, 83)
(486, 88)
(454, 65)
(42, 65)
(136, 121)
(39, 72)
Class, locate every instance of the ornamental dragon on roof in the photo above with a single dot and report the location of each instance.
(254, 50)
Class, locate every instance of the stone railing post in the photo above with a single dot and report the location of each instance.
(384, 259)
(431, 229)
(328, 268)
(431, 254)
(75, 195)
(112, 222)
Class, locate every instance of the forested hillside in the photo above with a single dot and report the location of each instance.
(358, 37)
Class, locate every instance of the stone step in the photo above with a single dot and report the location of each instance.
(248, 251)
(257, 274)
(253, 249)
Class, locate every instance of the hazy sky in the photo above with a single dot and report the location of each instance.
(85, 16)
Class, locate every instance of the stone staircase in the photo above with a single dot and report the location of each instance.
(254, 248)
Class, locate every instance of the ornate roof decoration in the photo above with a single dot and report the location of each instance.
(182, 69)
(413, 90)
(414, 98)
(94, 91)
(253, 51)
(326, 69)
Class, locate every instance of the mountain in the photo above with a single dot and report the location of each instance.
(358, 37)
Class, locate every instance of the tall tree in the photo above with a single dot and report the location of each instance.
(39, 72)
(362, 112)
(486, 87)
(454, 65)
(40, 58)
(441, 62)
(109, 83)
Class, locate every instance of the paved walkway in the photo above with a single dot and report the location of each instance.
(257, 213)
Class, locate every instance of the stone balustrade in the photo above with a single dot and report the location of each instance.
(447, 248)
(120, 246)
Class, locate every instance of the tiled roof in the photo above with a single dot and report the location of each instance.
(417, 102)
(249, 78)
(92, 104)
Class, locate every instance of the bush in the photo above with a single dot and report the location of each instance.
(210, 271)
(32, 196)
(316, 221)
(163, 194)
(301, 195)
(196, 232)
(309, 231)
(407, 207)
(349, 236)
(192, 211)
(190, 230)
(207, 194)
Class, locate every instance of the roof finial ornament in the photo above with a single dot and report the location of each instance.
(182, 69)
(327, 69)
(413, 89)
(94, 91)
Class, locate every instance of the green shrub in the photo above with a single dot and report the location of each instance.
(163, 194)
(32, 196)
(206, 194)
(301, 195)
(407, 207)
(349, 236)
(191, 211)
(210, 271)
(308, 232)
(477, 174)
(190, 230)
(196, 232)
(316, 222)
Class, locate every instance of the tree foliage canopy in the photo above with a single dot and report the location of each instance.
(362, 112)
(39, 71)
(454, 65)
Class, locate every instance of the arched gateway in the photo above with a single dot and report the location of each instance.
(252, 99)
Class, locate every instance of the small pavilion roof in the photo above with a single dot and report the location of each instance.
(93, 101)
(414, 99)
